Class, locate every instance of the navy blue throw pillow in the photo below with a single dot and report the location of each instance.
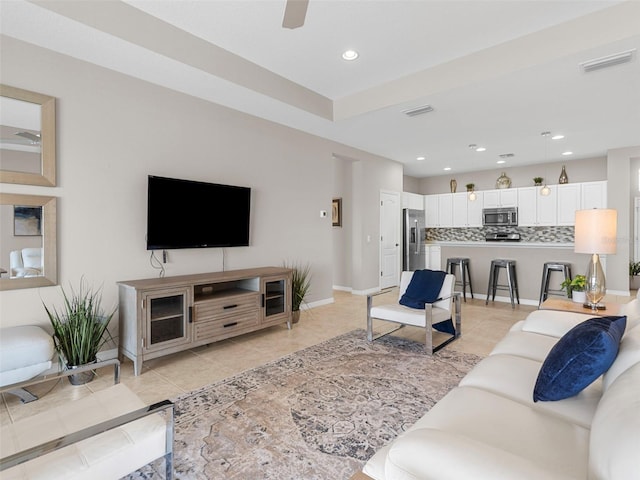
(583, 354)
(424, 287)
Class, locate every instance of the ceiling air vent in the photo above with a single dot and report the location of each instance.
(414, 112)
(608, 61)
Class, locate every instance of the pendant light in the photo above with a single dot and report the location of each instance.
(545, 190)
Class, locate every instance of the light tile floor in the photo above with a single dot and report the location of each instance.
(170, 376)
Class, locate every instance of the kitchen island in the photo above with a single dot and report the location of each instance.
(530, 258)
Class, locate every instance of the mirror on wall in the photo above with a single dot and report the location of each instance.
(27, 241)
(27, 137)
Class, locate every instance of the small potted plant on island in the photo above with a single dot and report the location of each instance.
(80, 329)
(537, 181)
(576, 288)
(300, 285)
(634, 275)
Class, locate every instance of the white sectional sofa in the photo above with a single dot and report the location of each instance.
(489, 427)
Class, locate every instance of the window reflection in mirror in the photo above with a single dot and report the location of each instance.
(27, 241)
(27, 137)
(20, 136)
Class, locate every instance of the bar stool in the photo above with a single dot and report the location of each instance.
(548, 268)
(463, 263)
(512, 280)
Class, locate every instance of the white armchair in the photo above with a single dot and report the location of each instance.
(447, 307)
(26, 263)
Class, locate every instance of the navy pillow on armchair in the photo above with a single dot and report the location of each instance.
(424, 287)
(583, 354)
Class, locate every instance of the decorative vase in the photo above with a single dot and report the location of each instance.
(578, 297)
(295, 316)
(470, 187)
(503, 181)
(453, 185)
(82, 377)
(563, 176)
(537, 184)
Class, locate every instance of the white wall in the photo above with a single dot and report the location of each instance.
(342, 236)
(619, 162)
(114, 130)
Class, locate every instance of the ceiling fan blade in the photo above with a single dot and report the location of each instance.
(32, 137)
(294, 13)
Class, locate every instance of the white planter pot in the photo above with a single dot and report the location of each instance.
(579, 297)
(634, 282)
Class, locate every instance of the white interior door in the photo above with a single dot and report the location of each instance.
(390, 209)
(636, 230)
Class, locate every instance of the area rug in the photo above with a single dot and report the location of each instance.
(319, 413)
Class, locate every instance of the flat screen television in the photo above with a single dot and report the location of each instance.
(190, 214)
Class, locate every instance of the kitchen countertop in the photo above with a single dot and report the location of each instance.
(484, 244)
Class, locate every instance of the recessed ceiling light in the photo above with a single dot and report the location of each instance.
(557, 137)
(420, 158)
(350, 55)
(567, 153)
(501, 161)
(447, 169)
(480, 149)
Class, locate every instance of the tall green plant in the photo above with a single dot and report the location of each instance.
(80, 327)
(300, 284)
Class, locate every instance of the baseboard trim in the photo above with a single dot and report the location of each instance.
(317, 303)
(342, 289)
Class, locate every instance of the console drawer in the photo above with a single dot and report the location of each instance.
(226, 327)
(220, 308)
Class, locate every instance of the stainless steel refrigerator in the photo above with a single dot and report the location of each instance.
(413, 236)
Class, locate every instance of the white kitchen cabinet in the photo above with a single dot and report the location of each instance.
(534, 209)
(439, 210)
(460, 209)
(431, 210)
(467, 213)
(506, 197)
(412, 200)
(547, 207)
(527, 207)
(445, 210)
(433, 257)
(474, 210)
(593, 195)
(568, 203)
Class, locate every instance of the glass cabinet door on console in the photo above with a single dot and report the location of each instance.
(277, 299)
(167, 318)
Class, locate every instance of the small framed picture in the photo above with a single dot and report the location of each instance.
(336, 212)
(27, 221)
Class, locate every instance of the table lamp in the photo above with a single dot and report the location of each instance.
(595, 233)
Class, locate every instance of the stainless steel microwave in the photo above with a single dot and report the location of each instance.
(500, 217)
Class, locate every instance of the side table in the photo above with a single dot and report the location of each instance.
(555, 303)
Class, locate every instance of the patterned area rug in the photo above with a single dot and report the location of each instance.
(319, 413)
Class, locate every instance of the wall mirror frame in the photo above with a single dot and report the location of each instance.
(49, 246)
(47, 177)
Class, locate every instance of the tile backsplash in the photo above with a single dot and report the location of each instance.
(550, 234)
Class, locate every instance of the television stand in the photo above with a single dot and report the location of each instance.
(160, 316)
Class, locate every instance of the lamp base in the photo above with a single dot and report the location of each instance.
(596, 306)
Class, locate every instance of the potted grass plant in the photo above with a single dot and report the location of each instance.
(576, 288)
(634, 275)
(80, 329)
(300, 285)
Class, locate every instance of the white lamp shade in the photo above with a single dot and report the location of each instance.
(595, 231)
